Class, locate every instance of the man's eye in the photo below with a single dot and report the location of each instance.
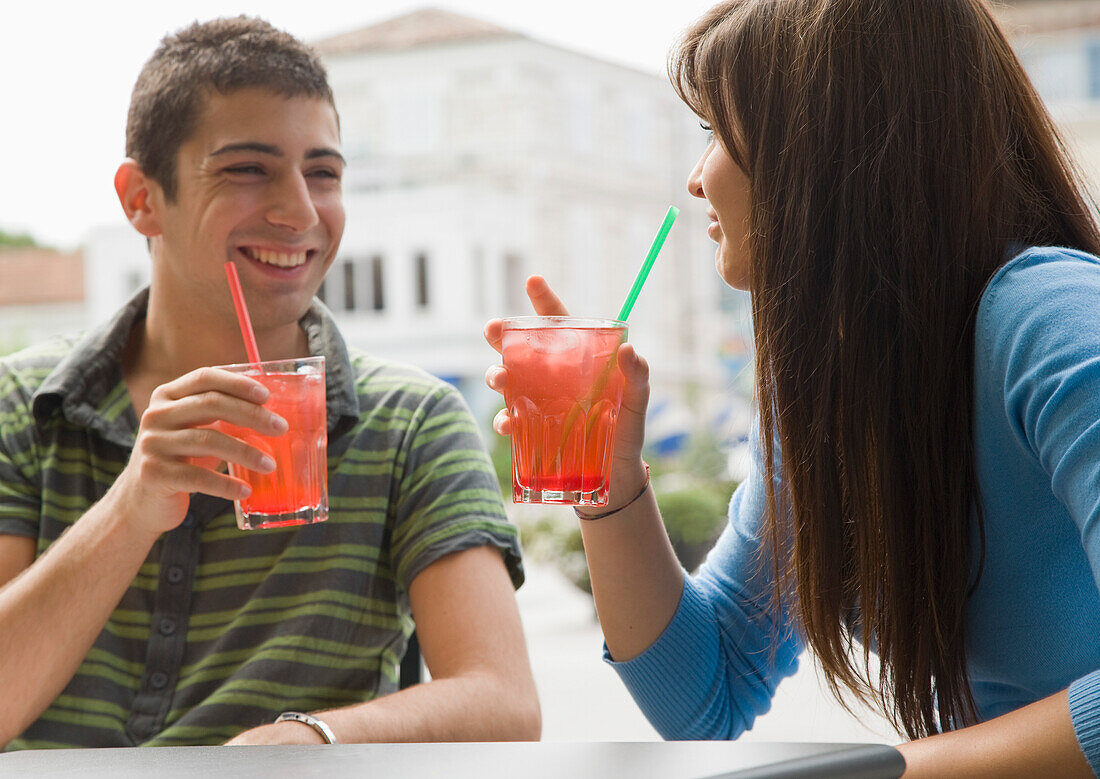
(324, 173)
(245, 169)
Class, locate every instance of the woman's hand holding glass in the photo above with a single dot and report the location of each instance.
(628, 472)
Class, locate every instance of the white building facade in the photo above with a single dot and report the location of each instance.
(477, 157)
(1058, 42)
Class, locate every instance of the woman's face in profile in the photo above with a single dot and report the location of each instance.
(721, 182)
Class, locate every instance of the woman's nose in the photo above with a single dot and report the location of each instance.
(695, 178)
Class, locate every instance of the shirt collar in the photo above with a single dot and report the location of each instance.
(86, 387)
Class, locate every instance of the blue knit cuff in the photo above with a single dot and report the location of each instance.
(1084, 709)
(683, 644)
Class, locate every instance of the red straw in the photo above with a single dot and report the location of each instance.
(242, 313)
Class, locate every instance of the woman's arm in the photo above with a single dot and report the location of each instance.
(636, 578)
(702, 656)
(1036, 369)
(1036, 740)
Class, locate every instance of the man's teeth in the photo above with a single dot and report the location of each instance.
(277, 258)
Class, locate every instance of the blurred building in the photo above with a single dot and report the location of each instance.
(1058, 42)
(41, 295)
(478, 156)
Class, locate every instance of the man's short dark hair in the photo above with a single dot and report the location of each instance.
(222, 55)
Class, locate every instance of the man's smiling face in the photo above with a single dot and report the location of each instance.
(259, 184)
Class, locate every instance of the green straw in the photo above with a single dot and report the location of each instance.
(605, 375)
(647, 266)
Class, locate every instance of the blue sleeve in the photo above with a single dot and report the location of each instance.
(1040, 325)
(716, 666)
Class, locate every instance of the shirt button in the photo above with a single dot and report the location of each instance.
(167, 627)
(158, 679)
(175, 575)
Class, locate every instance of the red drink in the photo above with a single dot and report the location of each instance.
(563, 392)
(295, 493)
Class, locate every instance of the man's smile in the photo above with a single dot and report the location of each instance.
(282, 258)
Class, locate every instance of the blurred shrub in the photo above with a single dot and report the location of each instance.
(501, 456)
(556, 538)
(694, 516)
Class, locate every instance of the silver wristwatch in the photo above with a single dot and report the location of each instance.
(308, 719)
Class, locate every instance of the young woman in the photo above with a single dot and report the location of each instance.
(926, 304)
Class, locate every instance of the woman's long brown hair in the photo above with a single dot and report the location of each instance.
(895, 152)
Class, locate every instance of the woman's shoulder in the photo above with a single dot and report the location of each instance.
(1037, 269)
(1038, 280)
(1044, 297)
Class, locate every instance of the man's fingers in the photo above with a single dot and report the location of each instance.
(544, 300)
(206, 408)
(206, 443)
(165, 476)
(202, 380)
(191, 478)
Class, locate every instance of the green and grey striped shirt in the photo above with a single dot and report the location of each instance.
(223, 629)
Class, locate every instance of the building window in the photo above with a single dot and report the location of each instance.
(378, 298)
(422, 280)
(349, 285)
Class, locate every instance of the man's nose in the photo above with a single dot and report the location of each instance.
(292, 204)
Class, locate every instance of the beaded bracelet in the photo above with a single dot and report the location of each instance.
(641, 492)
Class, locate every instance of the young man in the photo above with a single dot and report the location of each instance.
(135, 612)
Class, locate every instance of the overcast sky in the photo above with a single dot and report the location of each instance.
(67, 68)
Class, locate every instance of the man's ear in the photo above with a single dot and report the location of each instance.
(138, 194)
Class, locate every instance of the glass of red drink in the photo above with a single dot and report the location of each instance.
(563, 392)
(296, 492)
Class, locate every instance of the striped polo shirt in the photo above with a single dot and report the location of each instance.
(223, 629)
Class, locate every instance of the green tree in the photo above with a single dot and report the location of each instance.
(16, 240)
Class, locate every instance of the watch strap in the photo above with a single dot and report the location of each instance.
(309, 719)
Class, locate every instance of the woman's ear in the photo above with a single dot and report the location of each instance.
(137, 192)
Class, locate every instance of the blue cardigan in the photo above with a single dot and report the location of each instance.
(1034, 620)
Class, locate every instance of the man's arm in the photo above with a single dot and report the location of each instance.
(51, 614)
(472, 641)
(16, 555)
(51, 610)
